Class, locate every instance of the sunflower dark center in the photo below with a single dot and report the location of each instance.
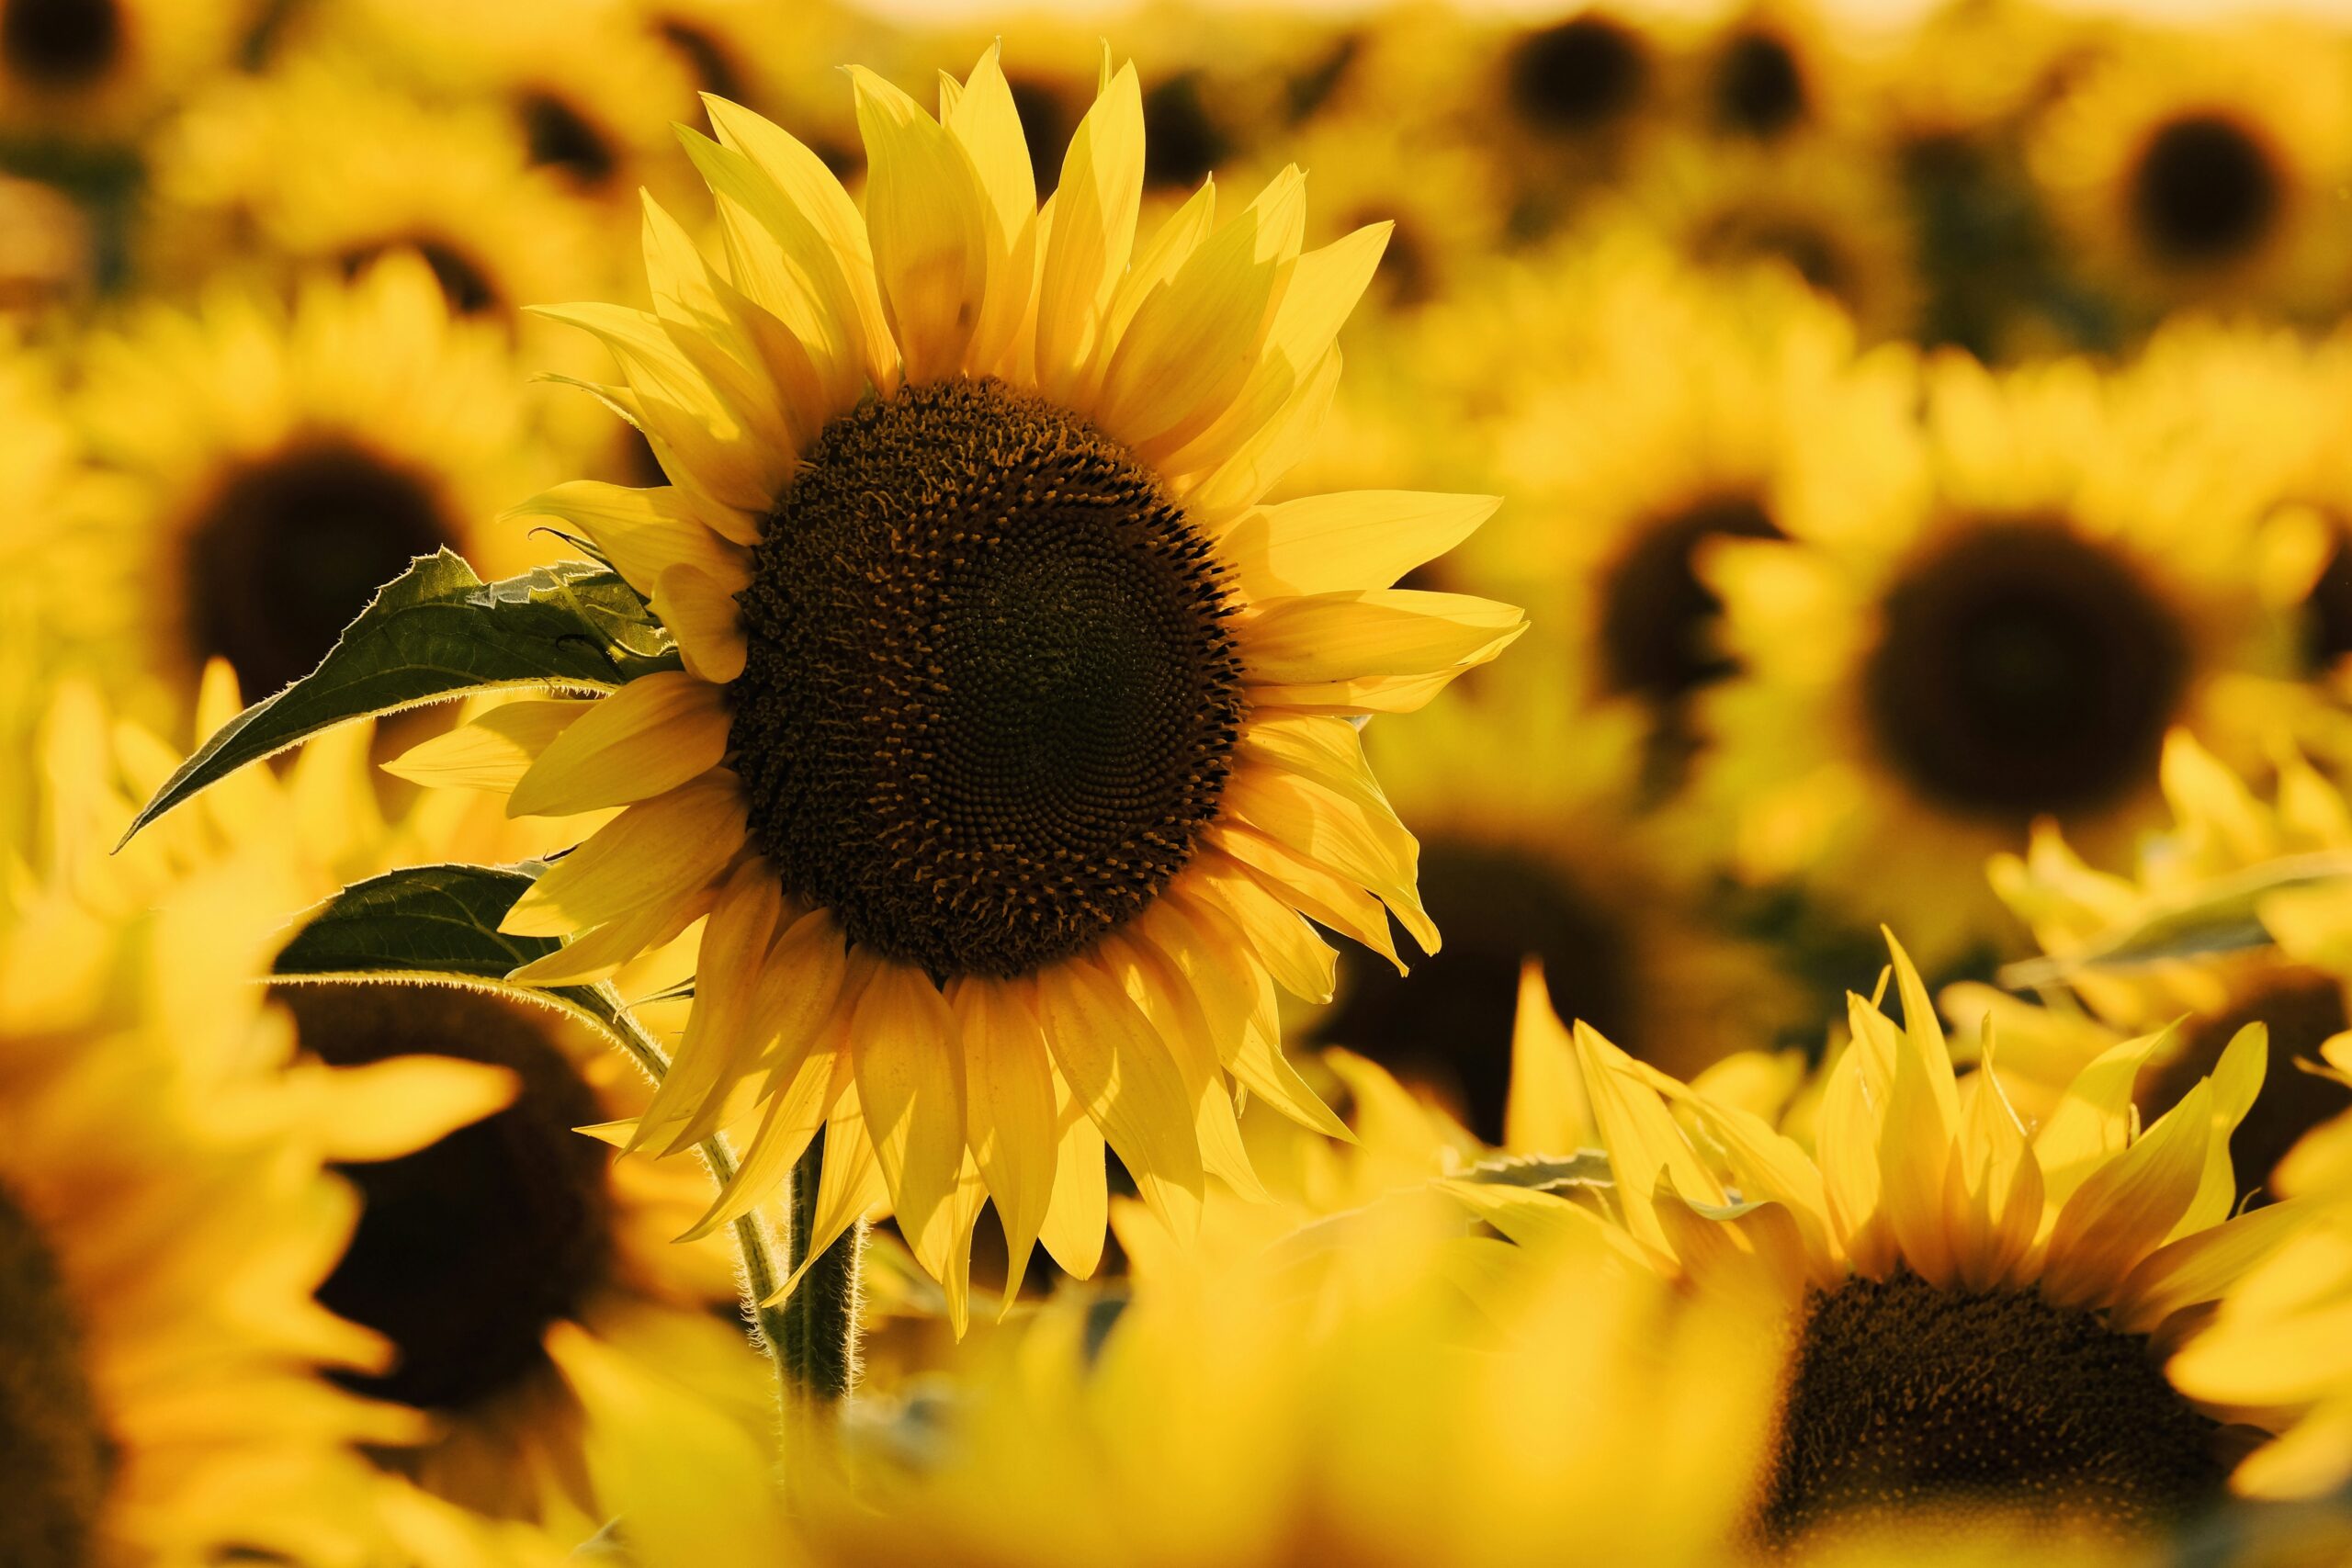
(465, 285)
(1049, 118)
(1182, 142)
(55, 1457)
(2205, 191)
(708, 60)
(1449, 1025)
(561, 137)
(1759, 89)
(2301, 1008)
(2024, 671)
(990, 695)
(1658, 621)
(1906, 1395)
(469, 1249)
(60, 43)
(291, 546)
(1580, 76)
(2327, 608)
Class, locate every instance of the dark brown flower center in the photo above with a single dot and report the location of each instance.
(465, 284)
(2205, 191)
(561, 137)
(56, 1459)
(2022, 670)
(1183, 141)
(1581, 75)
(292, 545)
(61, 43)
(2327, 608)
(1759, 88)
(2301, 1008)
(469, 1249)
(1904, 1395)
(1448, 1025)
(990, 696)
(1658, 621)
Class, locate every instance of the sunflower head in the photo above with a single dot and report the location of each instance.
(1977, 1310)
(1007, 752)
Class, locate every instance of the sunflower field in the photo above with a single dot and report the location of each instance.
(749, 822)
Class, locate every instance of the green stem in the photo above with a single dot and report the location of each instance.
(820, 1329)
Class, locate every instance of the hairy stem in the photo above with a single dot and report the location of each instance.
(821, 1316)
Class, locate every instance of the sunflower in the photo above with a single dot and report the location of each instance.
(1011, 746)
(1831, 214)
(592, 92)
(80, 70)
(1767, 71)
(319, 163)
(2273, 400)
(1566, 102)
(2221, 835)
(1620, 468)
(2010, 638)
(261, 469)
(477, 1242)
(1979, 1309)
(2276, 1345)
(2206, 168)
(165, 1211)
(1338, 1403)
(1526, 798)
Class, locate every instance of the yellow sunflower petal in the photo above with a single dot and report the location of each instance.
(1080, 1210)
(1193, 341)
(1123, 1075)
(491, 752)
(1351, 539)
(652, 735)
(909, 1068)
(988, 125)
(2201, 1268)
(1092, 233)
(1009, 1088)
(720, 1043)
(655, 851)
(923, 215)
(2124, 1209)
(1547, 1110)
(1371, 631)
(1642, 1142)
(700, 611)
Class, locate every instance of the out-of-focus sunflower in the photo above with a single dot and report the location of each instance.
(2278, 1344)
(475, 1243)
(2010, 638)
(2208, 167)
(1970, 66)
(317, 165)
(1831, 214)
(1981, 1310)
(81, 70)
(1566, 102)
(2281, 406)
(1338, 1403)
(262, 469)
(2224, 842)
(164, 1208)
(1010, 746)
(1767, 71)
(1524, 798)
(594, 94)
(1688, 408)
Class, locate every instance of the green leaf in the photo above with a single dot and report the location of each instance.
(2225, 917)
(438, 924)
(435, 633)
